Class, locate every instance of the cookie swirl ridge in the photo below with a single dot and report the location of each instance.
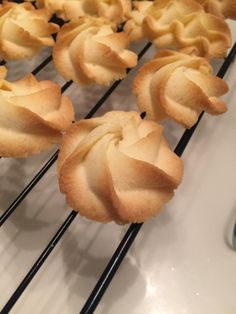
(222, 8)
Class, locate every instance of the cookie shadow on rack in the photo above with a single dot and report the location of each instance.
(29, 216)
(88, 263)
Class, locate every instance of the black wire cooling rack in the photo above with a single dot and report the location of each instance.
(130, 235)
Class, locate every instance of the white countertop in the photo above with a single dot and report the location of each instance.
(181, 261)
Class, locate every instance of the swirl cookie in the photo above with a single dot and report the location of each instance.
(24, 31)
(178, 86)
(33, 115)
(90, 51)
(182, 24)
(115, 10)
(117, 167)
(134, 26)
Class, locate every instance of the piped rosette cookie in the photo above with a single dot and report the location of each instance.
(91, 51)
(182, 24)
(33, 115)
(178, 86)
(117, 167)
(114, 10)
(24, 31)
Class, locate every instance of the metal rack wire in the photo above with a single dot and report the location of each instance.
(129, 237)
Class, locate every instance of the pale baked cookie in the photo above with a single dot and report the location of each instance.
(23, 30)
(117, 167)
(114, 10)
(178, 86)
(222, 8)
(161, 14)
(182, 24)
(33, 115)
(207, 36)
(90, 51)
(134, 26)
